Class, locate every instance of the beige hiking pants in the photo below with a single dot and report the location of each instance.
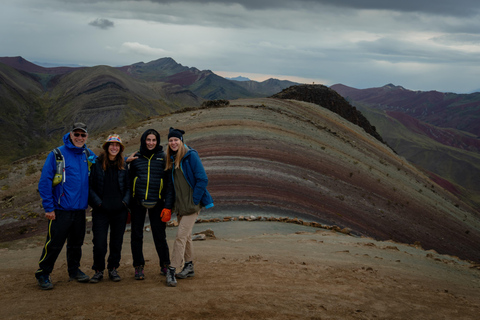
(183, 246)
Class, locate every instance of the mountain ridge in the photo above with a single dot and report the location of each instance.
(108, 97)
(103, 96)
(270, 156)
(434, 130)
(433, 107)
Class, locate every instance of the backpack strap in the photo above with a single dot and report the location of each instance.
(60, 168)
(90, 161)
(58, 154)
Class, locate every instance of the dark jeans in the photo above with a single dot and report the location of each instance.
(101, 221)
(68, 226)
(138, 214)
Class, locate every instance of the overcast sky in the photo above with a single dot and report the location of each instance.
(418, 44)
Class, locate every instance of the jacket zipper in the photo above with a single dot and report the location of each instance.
(134, 183)
(148, 176)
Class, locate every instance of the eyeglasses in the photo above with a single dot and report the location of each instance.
(83, 135)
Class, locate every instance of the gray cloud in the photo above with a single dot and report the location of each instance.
(101, 23)
(466, 8)
(441, 7)
(399, 51)
(417, 44)
(458, 39)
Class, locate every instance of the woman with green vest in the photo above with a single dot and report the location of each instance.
(190, 183)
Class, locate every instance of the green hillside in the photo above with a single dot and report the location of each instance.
(457, 166)
(34, 119)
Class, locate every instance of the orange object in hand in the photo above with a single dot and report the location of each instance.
(166, 215)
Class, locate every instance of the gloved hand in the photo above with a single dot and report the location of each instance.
(166, 215)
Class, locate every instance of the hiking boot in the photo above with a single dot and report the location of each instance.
(171, 281)
(97, 277)
(79, 276)
(187, 271)
(113, 275)
(44, 282)
(163, 271)
(139, 273)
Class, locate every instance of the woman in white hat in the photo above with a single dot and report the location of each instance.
(109, 196)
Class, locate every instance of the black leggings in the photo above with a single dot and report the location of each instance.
(138, 214)
(102, 220)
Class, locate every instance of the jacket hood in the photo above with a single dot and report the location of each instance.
(189, 151)
(143, 144)
(69, 144)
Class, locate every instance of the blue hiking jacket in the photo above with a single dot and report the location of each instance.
(72, 194)
(195, 174)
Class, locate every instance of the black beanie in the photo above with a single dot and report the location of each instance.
(177, 133)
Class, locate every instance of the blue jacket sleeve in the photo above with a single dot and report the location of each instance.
(45, 184)
(200, 177)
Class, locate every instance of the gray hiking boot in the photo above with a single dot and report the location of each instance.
(79, 276)
(97, 277)
(113, 275)
(187, 271)
(44, 281)
(171, 281)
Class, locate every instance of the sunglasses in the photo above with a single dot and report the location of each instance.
(83, 135)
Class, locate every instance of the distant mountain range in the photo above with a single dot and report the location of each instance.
(239, 78)
(436, 131)
(54, 65)
(45, 101)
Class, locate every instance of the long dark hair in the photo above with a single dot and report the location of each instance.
(118, 162)
(143, 144)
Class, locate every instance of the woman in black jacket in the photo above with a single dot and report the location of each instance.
(109, 195)
(152, 190)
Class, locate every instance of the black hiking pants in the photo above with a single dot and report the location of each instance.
(138, 215)
(68, 226)
(102, 220)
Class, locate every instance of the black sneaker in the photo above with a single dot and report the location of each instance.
(139, 273)
(171, 281)
(79, 276)
(113, 275)
(97, 277)
(44, 282)
(187, 271)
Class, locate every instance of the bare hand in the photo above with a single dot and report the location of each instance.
(50, 215)
(131, 157)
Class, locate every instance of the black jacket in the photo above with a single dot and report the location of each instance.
(149, 179)
(96, 184)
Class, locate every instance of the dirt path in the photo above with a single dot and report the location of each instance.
(253, 270)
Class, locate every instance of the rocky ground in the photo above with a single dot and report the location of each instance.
(253, 270)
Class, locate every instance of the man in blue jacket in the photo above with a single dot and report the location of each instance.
(65, 203)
